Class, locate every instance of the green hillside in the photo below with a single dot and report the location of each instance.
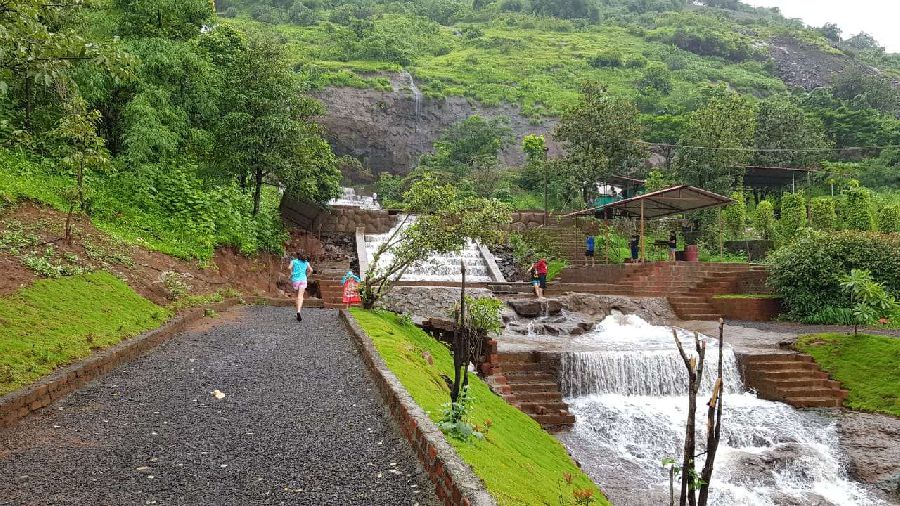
(657, 53)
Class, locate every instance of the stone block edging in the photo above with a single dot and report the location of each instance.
(454, 481)
(17, 405)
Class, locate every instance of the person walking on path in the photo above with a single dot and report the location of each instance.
(539, 277)
(300, 271)
(589, 250)
(673, 245)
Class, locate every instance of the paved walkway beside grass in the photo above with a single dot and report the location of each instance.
(301, 422)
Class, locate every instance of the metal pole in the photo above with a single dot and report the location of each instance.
(546, 214)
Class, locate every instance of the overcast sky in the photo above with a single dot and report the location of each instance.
(878, 18)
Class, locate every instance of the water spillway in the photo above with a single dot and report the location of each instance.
(441, 267)
(629, 396)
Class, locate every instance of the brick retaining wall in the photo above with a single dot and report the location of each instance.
(761, 309)
(21, 403)
(454, 481)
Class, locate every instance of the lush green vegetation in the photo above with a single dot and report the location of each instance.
(866, 365)
(55, 322)
(518, 461)
(168, 135)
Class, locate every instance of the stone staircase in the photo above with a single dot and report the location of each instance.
(523, 381)
(792, 378)
(330, 289)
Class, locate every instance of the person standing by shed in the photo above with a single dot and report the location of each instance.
(589, 250)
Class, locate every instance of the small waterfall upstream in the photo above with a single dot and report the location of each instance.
(441, 267)
(630, 401)
(417, 94)
(349, 198)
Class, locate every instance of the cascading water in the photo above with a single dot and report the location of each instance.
(629, 396)
(439, 267)
(349, 198)
(417, 94)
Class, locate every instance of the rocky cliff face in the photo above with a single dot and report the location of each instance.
(389, 131)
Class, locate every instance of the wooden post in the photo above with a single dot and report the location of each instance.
(606, 253)
(642, 230)
(721, 233)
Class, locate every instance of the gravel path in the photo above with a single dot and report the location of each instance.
(301, 423)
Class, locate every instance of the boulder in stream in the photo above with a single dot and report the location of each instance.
(532, 308)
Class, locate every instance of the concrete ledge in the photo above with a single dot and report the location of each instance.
(454, 481)
(21, 403)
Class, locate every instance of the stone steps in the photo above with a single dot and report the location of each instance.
(526, 383)
(792, 378)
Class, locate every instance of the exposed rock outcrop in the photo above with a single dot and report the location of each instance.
(387, 132)
(871, 443)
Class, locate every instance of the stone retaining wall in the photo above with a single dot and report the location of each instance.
(426, 302)
(454, 481)
(336, 220)
(21, 403)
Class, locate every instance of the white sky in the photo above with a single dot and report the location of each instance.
(878, 18)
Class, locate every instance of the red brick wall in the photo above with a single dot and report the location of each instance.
(754, 310)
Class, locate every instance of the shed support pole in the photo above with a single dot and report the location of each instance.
(642, 230)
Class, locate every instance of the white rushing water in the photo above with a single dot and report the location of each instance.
(440, 267)
(630, 402)
(349, 198)
(417, 95)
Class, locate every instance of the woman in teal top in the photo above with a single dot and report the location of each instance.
(300, 271)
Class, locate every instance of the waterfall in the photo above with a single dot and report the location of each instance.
(417, 94)
(629, 396)
(438, 267)
(349, 198)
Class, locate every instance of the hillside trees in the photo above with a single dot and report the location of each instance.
(600, 135)
(712, 149)
(468, 146)
(266, 131)
(783, 125)
(173, 19)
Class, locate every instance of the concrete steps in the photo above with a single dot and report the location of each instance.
(526, 383)
(792, 378)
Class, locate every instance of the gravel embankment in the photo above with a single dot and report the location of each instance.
(301, 422)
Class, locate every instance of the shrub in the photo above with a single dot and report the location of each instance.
(889, 218)
(793, 216)
(657, 78)
(869, 298)
(823, 213)
(764, 220)
(637, 62)
(860, 209)
(607, 58)
(807, 273)
(735, 217)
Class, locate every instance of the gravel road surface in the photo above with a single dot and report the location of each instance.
(301, 422)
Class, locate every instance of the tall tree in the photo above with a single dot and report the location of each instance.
(175, 19)
(713, 148)
(601, 134)
(782, 124)
(267, 133)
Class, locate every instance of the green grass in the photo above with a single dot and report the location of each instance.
(746, 296)
(170, 211)
(518, 461)
(868, 366)
(55, 322)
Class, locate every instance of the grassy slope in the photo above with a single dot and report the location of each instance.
(55, 322)
(518, 461)
(537, 67)
(867, 365)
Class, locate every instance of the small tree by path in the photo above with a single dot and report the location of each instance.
(443, 222)
(694, 487)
